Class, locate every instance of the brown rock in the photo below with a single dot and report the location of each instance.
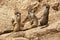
(27, 25)
(19, 38)
(5, 18)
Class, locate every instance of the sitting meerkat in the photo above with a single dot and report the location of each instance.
(32, 18)
(45, 16)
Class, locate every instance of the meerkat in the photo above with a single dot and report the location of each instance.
(32, 18)
(45, 16)
(17, 24)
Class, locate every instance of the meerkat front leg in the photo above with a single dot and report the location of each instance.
(13, 22)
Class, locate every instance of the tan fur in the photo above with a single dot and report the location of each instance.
(18, 22)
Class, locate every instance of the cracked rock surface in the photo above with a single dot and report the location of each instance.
(7, 9)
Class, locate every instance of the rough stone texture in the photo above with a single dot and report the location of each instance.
(19, 38)
(5, 18)
(7, 9)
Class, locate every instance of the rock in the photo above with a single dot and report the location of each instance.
(23, 15)
(56, 6)
(27, 25)
(51, 32)
(54, 36)
(5, 18)
(16, 34)
(3, 36)
(19, 38)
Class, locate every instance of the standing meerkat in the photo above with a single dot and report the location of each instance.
(45, 16)
(17, 23)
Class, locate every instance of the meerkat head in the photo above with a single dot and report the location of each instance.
(17, 13)
(47, 5)
(31, 10)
